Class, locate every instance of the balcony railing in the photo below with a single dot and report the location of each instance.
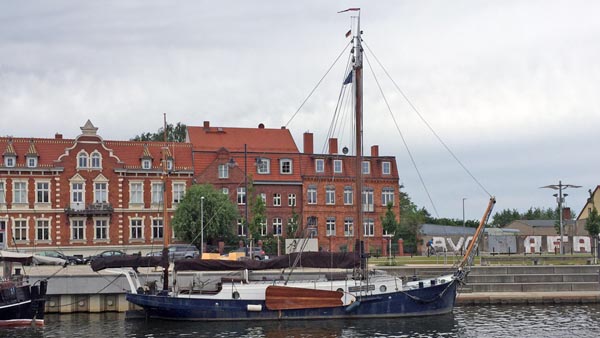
(93, 209)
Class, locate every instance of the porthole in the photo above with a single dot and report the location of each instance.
(383, 288)
(235, 295)
(340, 290)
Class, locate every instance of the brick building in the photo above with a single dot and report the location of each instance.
(87, 194)
(271, 160)
(330, 196)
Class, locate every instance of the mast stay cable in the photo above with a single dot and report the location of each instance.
(414, 108)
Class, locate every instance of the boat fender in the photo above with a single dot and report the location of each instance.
(352, 306)
(254, 307)
(432, 282)
(420, 285)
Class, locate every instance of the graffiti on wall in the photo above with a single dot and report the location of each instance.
(445, 244)
(533, 244)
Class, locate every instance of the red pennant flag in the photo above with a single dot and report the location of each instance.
(348, 33)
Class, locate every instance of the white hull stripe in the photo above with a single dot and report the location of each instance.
(15, 304)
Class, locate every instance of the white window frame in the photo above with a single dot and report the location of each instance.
(146, 163)
(136, 229)
(100, 192)
(263, 227)
(311, 194)
(20, 231)
(169, 165)
(338, 166)
(348, 195)
(156, 192)
(277, 226)
(366, 167)
(20, 189)
(263, 197)
(386, 168)
(330, 195)
(330, 226)
(286, 166)
(349, 227)
(96, 160)
(276, 199)
(2, 192)
(32, 161)
(241, 228)
(43, 192)
(178, 192)
(136, 196)
(43, 225)
(77, 229)
(10, 161)
(320, 165)
(82, 160)
(291, 200)
(368, 227)
(241, 196)
(263, 166)
(78, 195)
(102, 225)
(387, 195)
(368, 202)
(223, 170)
(158, 228)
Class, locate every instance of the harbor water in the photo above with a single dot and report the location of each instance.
(466, 321)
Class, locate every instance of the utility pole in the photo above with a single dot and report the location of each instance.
(560, 199)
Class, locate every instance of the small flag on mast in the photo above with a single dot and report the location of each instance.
(349, 9)
(348, 33)
(348, 79)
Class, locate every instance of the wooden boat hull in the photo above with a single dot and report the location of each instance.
(431, 300)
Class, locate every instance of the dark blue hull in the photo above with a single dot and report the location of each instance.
(433, 300)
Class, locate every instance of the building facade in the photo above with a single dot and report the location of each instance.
(87, 194)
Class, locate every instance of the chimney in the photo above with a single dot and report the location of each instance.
(58, 136)
(308, 143)
(333, 146)
(374, 151)
(566, 214)
(206, 125)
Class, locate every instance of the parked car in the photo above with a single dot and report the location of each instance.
(183, 251)
(107, 253)
(72, 260)
(257, 252)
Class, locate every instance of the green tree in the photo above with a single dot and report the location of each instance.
(388, 220)
(592, 225)
(410, 219)
(291, 229)
(258, 218)
(175, 133)
(505, 216)
(219, 215)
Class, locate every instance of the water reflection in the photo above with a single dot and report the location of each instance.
(473, 321)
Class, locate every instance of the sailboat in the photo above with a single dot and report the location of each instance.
(360, 293)
(20, 303)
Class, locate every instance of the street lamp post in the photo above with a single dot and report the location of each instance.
(201, 226)
(560, 199)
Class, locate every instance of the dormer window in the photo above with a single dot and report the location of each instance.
(263, 166)
(169, 164)
(285, 166)
(320, 165)
(146, 164)
(32, 162)
(82, 160)
(9, 161)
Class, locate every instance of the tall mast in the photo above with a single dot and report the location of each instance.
(358, 110)
(166, 229)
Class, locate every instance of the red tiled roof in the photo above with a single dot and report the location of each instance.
(233, 139)
(128, 152)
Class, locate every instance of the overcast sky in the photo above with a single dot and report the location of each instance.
(510, 86)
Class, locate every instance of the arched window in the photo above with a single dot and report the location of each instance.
(96, 160)
(82, 160)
